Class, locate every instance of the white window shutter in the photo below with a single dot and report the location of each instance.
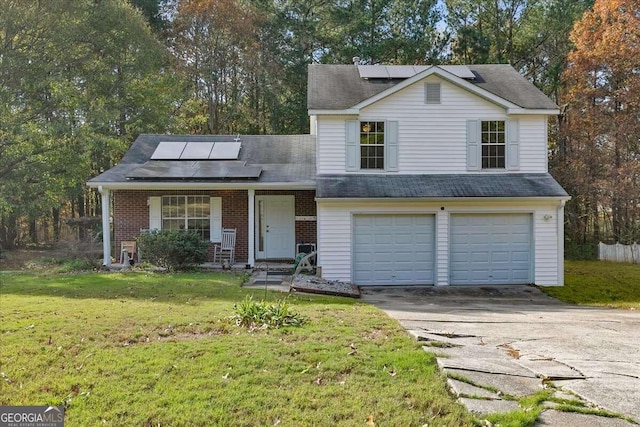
(391, 146)
(473, 145)
(215, 218)
(513, 146)
(155, 213)
(352, 146)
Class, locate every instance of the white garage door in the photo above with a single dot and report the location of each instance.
(491, 249)
(393, 249)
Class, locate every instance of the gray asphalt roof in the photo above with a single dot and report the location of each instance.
(438, 186)
(283, 159)
(337, 87)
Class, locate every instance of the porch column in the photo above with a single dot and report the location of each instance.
(252, 228)
(106, 227)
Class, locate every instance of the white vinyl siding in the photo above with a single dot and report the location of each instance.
(432, 138)
(335, 233)
(442, 247)
(546, 246)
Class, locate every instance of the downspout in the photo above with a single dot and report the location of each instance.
(106, 228)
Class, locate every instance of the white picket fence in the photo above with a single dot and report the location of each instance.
(619, 252)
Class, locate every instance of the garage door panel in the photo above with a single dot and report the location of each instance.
(397, 249)
(490, 249)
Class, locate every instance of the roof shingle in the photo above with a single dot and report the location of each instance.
(338, 87)
(437, 186)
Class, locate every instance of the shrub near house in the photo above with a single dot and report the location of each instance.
(173, 249)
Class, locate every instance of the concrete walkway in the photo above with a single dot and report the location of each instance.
(516, 340)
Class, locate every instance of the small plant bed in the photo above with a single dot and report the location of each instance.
(143, 348)
(599, 283)
(316, 285)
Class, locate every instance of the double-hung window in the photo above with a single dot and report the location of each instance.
(493, 145)
(187, 213)
(371, 145)
(493, 138)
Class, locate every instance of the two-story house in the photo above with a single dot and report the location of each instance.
(434, 175)
(411, 175)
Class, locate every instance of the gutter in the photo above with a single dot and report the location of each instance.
(563, 199)
(199, 186)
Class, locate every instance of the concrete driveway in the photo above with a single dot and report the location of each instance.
(516, 338)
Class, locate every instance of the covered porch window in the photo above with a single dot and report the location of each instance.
(187, 213)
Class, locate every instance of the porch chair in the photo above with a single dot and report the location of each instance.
(128, 247)
(226, 248)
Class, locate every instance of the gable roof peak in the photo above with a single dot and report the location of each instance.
(341, 87)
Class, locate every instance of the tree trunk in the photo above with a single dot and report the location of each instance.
(33, 230)
(55, 221)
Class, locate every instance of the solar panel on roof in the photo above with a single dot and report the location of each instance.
(197, 150)
(245, 172)
(225, 151)
(168, 150)
(461, 71)
(373, 71)
(177, 170)
(406, 71)
(401, 71)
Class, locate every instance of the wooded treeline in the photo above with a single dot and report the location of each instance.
(81, 79)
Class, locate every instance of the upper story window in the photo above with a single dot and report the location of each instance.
(493, 138)
(187, 213)
(493, 145)
(371, 145)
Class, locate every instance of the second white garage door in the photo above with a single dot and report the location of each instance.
(491, 249)
(393, 249)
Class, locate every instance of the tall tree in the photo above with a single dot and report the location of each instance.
(77, 80)
(382, 31)
(214, 41)
(600, 164)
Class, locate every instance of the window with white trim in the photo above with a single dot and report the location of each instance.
(371, 145)
(493, 139)
(187, 213)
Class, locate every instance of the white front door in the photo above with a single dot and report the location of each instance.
(275, 227)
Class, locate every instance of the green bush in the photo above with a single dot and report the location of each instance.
(252, 314)
(173, 249)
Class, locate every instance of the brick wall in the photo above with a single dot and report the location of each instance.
(131, 213)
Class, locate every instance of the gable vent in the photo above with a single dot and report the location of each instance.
(432, 93)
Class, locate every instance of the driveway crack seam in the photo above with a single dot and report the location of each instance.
(622, 375)
(489, 372)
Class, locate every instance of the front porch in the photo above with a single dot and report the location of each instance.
(270, 224)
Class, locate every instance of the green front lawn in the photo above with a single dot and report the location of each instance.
(143, 349)
(599, 283)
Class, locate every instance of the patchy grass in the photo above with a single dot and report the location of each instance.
(600, 283)
(136, 349)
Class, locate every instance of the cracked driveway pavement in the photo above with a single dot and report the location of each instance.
(519, 331)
